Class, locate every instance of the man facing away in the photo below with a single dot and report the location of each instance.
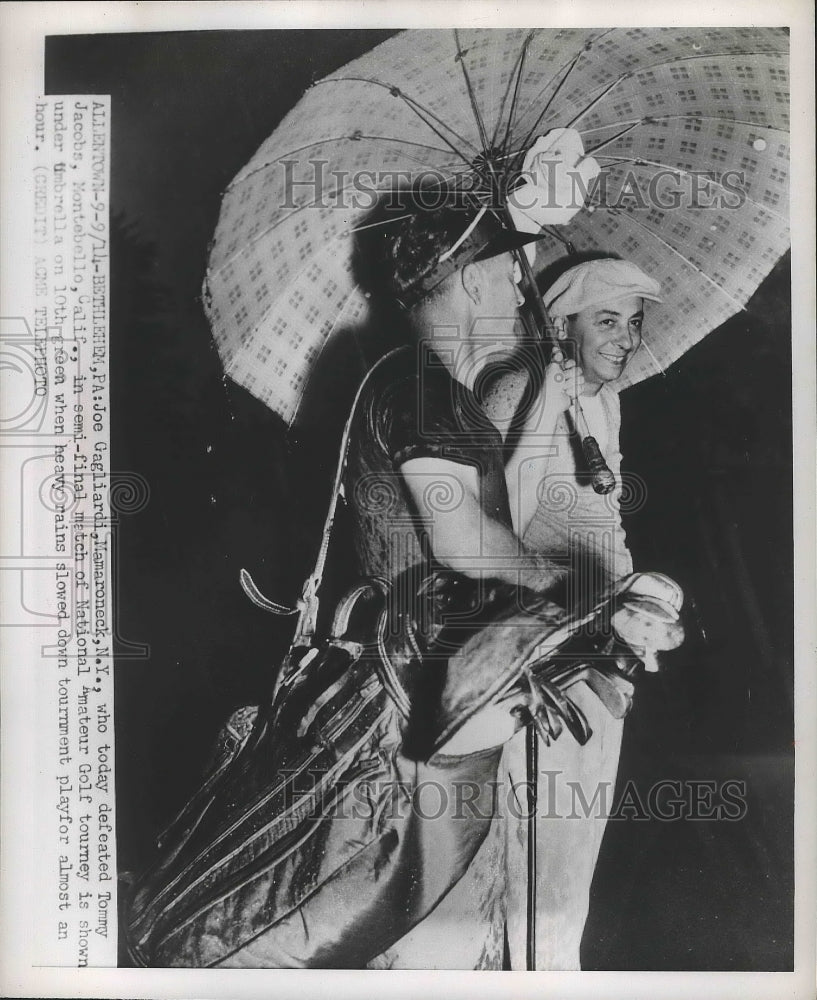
(250, 876)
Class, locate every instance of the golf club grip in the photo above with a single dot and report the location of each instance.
(603, 479)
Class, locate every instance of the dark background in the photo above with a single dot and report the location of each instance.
(228, 488)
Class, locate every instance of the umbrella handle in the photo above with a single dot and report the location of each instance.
(602, 479)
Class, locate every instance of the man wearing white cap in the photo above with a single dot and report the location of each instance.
(597, 310)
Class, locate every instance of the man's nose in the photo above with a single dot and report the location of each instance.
(624, 336)
(520, 297)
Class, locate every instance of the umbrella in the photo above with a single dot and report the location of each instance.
(689, 126)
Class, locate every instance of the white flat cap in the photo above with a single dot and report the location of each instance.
(598, 281)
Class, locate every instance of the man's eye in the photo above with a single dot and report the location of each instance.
(517, 272)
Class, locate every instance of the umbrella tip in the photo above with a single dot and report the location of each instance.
(654, 359)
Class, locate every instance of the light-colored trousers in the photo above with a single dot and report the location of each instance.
(575, 793)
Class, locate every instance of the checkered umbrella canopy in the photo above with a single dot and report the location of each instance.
(690, 126)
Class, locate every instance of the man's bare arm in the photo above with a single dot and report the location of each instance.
(462, 536)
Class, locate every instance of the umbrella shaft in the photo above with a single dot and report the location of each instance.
(532, 758)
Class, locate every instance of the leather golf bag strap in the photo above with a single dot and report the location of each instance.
(309, 602)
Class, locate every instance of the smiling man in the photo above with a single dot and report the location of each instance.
(597, 309)
(607, 335)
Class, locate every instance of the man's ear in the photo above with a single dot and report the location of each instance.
(471, 278)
